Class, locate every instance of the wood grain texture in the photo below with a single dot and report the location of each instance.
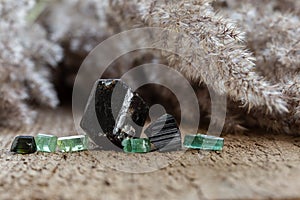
(253, 165)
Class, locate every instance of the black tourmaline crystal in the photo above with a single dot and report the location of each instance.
(164, 134)
(114, 110)
(23, 145)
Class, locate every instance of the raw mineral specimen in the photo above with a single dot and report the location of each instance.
(138, 145)
(114, 110)
(164, 134)
(23, 145)
(72, 143)
(204, 142)
(89, 123)
(46, 143)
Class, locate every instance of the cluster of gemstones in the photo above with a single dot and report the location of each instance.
(49, 143)
(115, 115)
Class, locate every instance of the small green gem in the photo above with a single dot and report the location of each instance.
(23, 145)
(72, 143)
(204, 142)
(46, 143)
(138, 145)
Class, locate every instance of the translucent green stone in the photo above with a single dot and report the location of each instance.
(138, 145)
(204, 142)
(72, 143)
(23, 145)
(46, 143)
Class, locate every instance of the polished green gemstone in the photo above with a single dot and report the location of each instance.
(23, 145)
(72, 143)
(138, 145)
(205, 142)
(46, 143)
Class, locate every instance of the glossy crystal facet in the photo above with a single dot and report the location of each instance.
(23, 145)
(46, 143)
(115, 111)
(204, 142)
(164, 134)
(72, 143)
(137, 145)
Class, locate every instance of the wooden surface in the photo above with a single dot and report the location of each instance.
(252, 165)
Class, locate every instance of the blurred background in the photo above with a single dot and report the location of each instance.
(43, 43)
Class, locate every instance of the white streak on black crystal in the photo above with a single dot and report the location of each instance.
(120, 112)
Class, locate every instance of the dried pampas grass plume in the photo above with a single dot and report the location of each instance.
(215, 50)
(25, 54)
(273, 34)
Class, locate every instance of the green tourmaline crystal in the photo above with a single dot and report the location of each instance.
(23, 145)
(72, 143)
(138, 145)
(205, 142)
(46, 143)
